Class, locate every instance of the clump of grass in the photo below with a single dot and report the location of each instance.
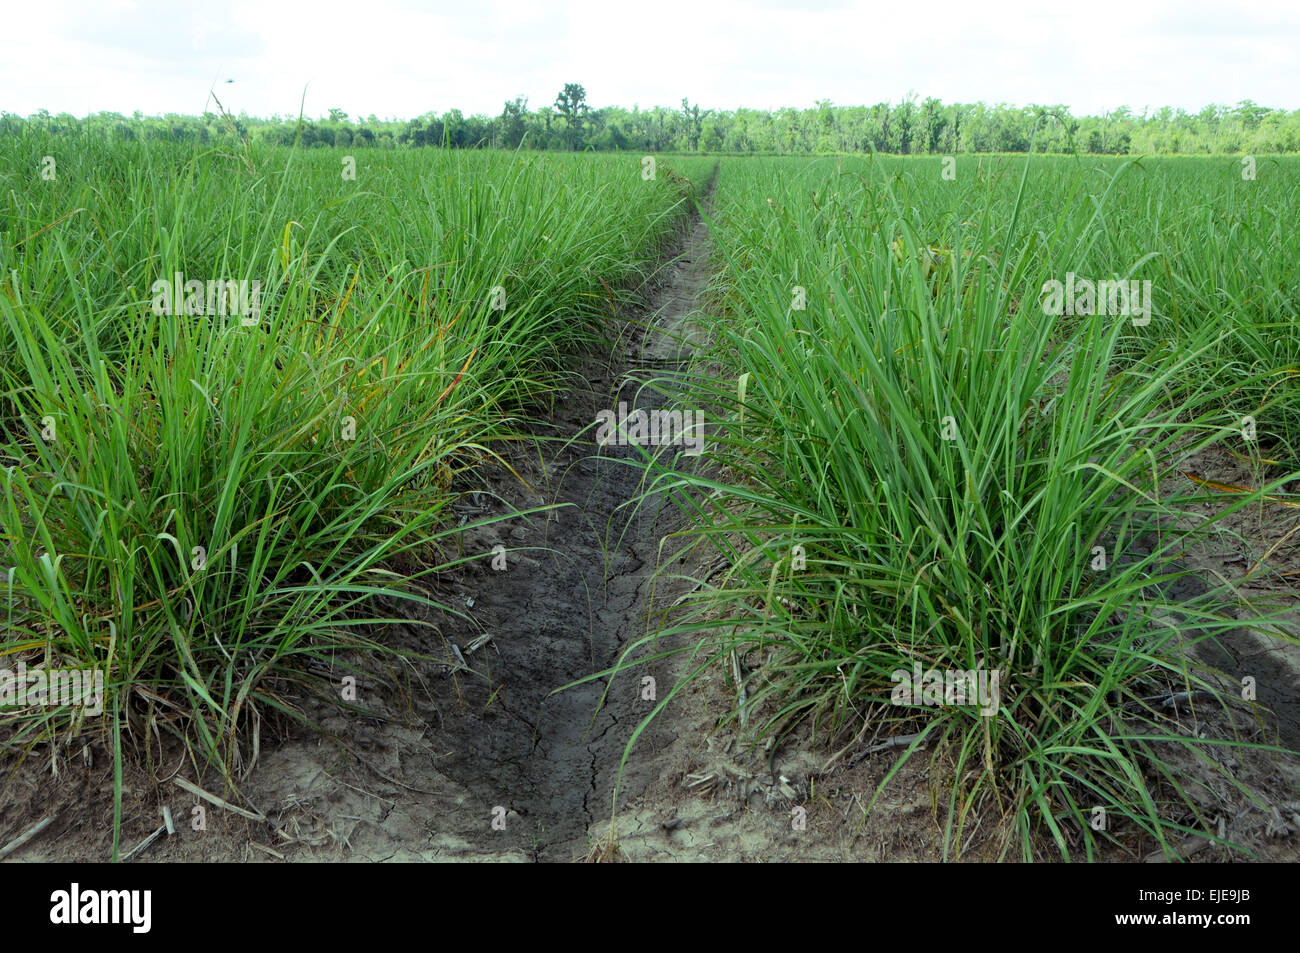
(920, 471)
(606, 850)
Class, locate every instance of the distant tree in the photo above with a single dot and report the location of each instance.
(694, 122)
(1250, 114)
(572, 105)
(880, 133)
(932, 123)
(455, 135)
(412, 133)
(711, 139)
(906, 114)
(514, 122)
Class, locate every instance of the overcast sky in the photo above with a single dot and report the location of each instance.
(400, 58)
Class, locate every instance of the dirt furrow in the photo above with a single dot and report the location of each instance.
(569, 607)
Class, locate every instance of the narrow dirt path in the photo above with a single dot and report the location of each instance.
(559, 614)
(567, 605)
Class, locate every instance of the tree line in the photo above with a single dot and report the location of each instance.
(912, 126)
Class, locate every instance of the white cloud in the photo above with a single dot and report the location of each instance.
(403, 58)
